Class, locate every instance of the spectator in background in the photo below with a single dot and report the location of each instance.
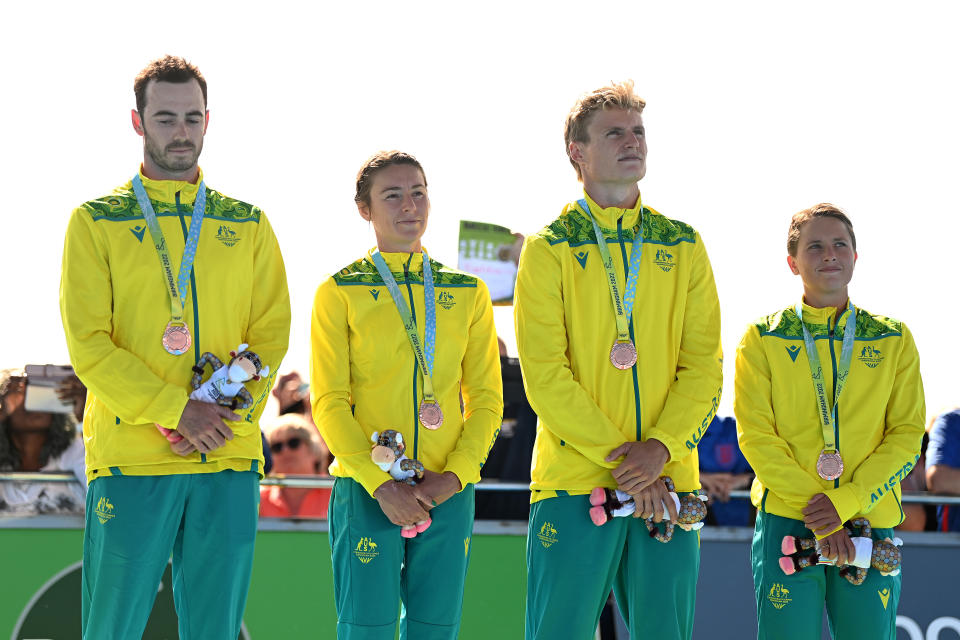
(35, 441)
(297, 450)
(943, 466)
(722, 470)
(293, 394)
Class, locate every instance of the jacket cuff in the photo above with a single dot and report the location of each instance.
(371, 477)
(460, 466)
(675, 448)
(844, 501)
(167, 407)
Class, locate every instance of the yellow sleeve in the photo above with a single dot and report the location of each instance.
(899, 450)
(114, 375)
(768, 454)
(482, 388)
(268, 331)
(330, 393)
(695, 392)
(563, 406)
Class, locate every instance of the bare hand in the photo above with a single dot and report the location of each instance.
(820, 516)
(649, 502)
(642, 465)
(838, 547)
(182, 447)
(717, 485)
(436, 488)
(202, 424)
(399, 503)
(71, 391)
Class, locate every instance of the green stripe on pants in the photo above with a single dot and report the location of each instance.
(572, 565)
(208, 521)
(374, 569)
(790, 607)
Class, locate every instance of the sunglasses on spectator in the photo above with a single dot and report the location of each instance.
(293, 444)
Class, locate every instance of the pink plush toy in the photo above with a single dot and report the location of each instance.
(613, 503)
(388, 454)
(883, 555)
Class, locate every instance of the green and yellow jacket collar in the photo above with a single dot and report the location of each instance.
(166, 190)
(607, 217)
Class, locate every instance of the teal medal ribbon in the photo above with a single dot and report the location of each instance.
(829, 463)
(176, 336)
(429, 413)
(623, 354)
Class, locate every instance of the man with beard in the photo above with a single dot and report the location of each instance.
(154, 274)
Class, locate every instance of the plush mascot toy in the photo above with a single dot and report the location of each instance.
(225, 384)
(388, 454)
(883, 555)
(613, 503)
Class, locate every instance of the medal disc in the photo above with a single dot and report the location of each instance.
(623, 355)
(176, 339)
(430, 415)
(830, 465)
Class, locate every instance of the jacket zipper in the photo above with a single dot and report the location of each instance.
(633, 369)
(836, 407)
(193, 286)
(416, 367)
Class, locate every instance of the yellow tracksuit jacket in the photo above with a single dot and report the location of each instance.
(114, 306)
(880, 416)
(364, 376)
(565, 327)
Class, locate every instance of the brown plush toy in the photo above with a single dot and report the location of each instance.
(613, 503)
(883, 555)
(388, 454)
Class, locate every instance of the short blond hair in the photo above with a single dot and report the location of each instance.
(617, 95)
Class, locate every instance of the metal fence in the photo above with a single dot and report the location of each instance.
(309, 482)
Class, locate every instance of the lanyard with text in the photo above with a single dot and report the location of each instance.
(623, 354)
(429, 412)
(829, 464)
(176, 337)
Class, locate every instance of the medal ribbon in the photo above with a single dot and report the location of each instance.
(623, 309)
(423, 352)
(828, 414)
(177, 300)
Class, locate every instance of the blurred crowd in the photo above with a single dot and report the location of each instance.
(41, 419)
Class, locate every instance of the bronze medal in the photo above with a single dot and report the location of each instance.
(430, 415)
(623, 355)
(176, 339)
(830, 465)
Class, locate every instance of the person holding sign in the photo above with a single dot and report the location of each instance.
(830, 415)
(154, 274)
(396, 338)
(619, 344)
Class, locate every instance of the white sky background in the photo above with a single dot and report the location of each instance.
(754, 111)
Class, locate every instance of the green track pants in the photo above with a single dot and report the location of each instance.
(376, 571)
(572, 565)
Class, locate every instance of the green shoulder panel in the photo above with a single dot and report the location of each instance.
(659, 229)
(119, 205)
(786, 324)
(870, 327)
(122, 205)
(364, 272)
(783, 323)
(225, 208)
(576, 229)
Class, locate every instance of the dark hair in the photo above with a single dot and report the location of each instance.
(166, 69)
(61, 434)
(376, 162)
(822, 210)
